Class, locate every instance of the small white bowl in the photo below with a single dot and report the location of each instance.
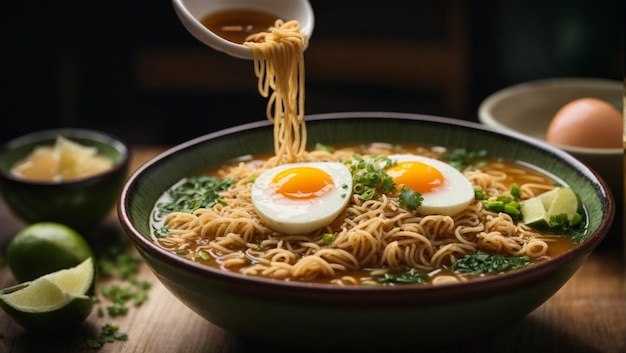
(190, 12)
(528, 108)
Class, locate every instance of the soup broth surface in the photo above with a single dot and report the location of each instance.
(508, 173)
(236, 25)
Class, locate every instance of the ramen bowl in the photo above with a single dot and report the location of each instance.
(313, 316)
(80, 204)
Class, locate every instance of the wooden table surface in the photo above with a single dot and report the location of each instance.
(588, 314)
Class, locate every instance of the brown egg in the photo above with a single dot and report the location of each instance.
(587, 122)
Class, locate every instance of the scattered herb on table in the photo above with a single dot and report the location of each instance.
(108, 333)
(116, 262)
(121, 266)
(136, 293)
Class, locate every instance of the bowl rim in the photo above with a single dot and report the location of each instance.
(406, 293)
(485, 107)
(82, 133)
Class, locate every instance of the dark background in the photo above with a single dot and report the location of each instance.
(129, 67)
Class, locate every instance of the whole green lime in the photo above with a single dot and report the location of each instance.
(43, 248)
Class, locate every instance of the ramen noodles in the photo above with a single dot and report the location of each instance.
(370, 240)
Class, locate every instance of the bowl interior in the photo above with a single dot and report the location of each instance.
(148, 183)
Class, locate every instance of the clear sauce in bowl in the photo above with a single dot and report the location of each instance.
(236, 25)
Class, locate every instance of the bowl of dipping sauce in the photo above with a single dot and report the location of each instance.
(224, 25)
(70, 176)
(581, 116)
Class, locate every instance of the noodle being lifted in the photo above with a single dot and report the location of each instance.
(279, 66)
(358, 215)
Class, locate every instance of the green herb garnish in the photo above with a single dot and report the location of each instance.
(369, 177)
(322, 147)
(508, 204)
(194, 193)
(204, 255)
(483, 263)
(479, 194)
(411, 276)
(579, 235)
(161, 231)
(410, 199)
(328, 238)
(462, 159)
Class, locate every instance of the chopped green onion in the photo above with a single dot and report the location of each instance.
(204, 255)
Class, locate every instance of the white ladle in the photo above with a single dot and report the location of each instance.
(191, 11)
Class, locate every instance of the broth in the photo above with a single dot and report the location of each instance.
(509, 173)
(237, 25)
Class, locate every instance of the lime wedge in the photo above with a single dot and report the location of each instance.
(37, 295)
(76, 280)
(565, 202)
(539, 210)
(53, 302)
(534, 212)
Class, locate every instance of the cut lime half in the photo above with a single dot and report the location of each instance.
(538, 211)
(53, 302)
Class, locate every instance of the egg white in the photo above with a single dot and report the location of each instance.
(451, 197)
(292, 216)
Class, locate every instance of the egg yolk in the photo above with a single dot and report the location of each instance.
(302, 183)
(416, 175)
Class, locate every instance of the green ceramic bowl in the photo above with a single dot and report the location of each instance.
(321, 317)
(81, 204)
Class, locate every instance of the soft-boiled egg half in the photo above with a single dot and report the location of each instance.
(446, 191)
(301, 197)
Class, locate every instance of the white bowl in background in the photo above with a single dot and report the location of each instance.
(528, 108)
